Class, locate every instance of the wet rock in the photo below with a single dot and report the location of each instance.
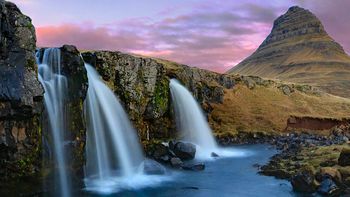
(214, 154)
(185, 150)
(344, 157)
(193, 167)
(152, 167)
(327, 187)
(176, 162)
(159, 152)
(304, 182)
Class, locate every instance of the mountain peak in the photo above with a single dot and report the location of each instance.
(299, 50)
(295, 22)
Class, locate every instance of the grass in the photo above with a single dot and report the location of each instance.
(267, 108)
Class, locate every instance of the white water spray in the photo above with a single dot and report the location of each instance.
(113, 153)
(55, 86)
(191, 121)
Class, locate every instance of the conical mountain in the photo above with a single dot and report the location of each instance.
(299, 50)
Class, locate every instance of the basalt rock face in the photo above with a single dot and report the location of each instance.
(142, 85)
(21, 96)
(299, 50)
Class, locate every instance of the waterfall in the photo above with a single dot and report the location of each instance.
(55, 86)
(113, 152)
(191, 121)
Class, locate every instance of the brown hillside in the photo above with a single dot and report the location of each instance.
(299, 50)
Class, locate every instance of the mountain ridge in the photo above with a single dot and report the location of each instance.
(299, 50)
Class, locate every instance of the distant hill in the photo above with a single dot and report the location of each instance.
(299, 50)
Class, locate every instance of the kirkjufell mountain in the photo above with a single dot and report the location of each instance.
(299, 50)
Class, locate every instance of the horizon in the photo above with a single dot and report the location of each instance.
(210, 35)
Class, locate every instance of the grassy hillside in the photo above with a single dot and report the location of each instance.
(299, 50)
(268, 108)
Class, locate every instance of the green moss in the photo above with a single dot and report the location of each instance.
(31, 65)
(30, 25)
(161, 95)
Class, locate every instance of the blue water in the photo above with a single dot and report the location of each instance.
(234, 176)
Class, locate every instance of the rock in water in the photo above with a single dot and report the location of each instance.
(299, 50)
(214, 154)
(344, 157)
(175, 162)
(193, 167)
(184, 150)
(152, 167)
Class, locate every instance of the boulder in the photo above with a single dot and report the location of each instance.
(327, 187)
(304, 182)
(175, 162)
(185, 150)
(193, 167)
(333, 173)
(152, 167)
(159, 152)
(214, 154)
(344, 157)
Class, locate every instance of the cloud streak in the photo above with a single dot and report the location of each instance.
(213, 36)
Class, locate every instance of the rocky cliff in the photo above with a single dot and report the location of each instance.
(299, 50)
(21, 96)
(233, 103)
(142, 84)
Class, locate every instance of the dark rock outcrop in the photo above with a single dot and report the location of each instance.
(185, 151)
(299, 50)
(344, 157)
(304, 182)
(21, 97)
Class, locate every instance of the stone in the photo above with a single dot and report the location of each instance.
(327, 187)
(185, 150)
(175, 162)
(214, 154)
(193, 167)
(304, 182)
(344, 157)
(152, 167)
(332, 172)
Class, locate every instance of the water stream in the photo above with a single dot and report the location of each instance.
(55, 86)
(113, 152)
(190, 120)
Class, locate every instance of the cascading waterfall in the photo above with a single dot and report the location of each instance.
(55, 86)
(191, 121)
(113, 151)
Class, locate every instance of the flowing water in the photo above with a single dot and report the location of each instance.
(55, 86)
(113, 152)
(191, 121)
(224, 177)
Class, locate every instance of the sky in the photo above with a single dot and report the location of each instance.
(209, 34)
